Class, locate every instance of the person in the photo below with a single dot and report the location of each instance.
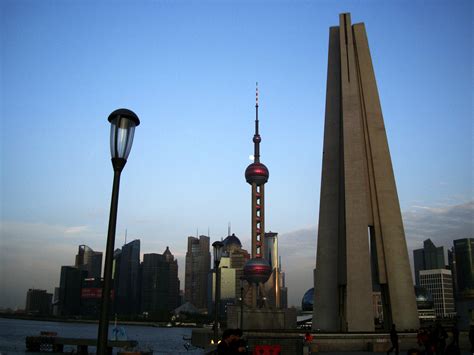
(455, 332)
(394, 340)
(440, 338)
(230, 337)
(224, 347)
(471, 337)
(240, 347)
(308, 339)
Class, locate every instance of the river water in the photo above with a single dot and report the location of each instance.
(161, 340)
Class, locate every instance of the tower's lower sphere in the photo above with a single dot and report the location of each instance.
(257, 270)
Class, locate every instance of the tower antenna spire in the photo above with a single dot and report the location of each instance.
(256, 137)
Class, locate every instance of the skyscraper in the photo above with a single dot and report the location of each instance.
(126, 280)
(70, 285)
(428, 258)
(198, 264)
(273, 285)
(464, 266)
(360, 226)
(440, 284)
(160, 284)
(231, 271)
(283, 288)
(464, 255)
(237, 258)
(38, 302)
(89, 260)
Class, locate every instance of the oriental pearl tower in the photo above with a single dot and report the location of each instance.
(257, 270)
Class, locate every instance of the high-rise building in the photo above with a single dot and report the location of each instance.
(452, 267)
(283, 289)
(198, 264)
(227, 285)
(273, 286)
(38, 302)
(464, 267)
(70, 285)
(360, 226)
(91, 294)
(127, 279)
(428, 258)
(464, 256)
(440, 284)
(89, 260)
(231, 272)
(160, 283)
(237, 259)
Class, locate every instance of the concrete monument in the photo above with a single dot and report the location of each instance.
(361, 240)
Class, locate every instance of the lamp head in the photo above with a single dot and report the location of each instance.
(218, 249)
(122, 128)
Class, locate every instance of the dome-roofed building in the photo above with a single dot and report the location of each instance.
(308, 300)
(231, 242)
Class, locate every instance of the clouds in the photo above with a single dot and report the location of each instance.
(298, 251)
(75, 230)
(442, 224)
(31, 254)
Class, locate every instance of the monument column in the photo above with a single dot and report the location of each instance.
(360, 225)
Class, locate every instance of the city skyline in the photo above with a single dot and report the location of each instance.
(189, 72)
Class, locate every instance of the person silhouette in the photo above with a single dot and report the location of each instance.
(394, 340)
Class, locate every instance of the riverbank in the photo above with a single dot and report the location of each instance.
(95, 321)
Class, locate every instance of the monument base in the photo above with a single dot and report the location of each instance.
(292, 341)
(261, 318)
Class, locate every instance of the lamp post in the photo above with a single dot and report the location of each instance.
(123, 123)
(218, 247)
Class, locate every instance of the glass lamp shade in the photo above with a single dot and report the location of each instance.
(122, 128)
(218, 249)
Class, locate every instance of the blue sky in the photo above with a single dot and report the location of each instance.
(188, 69)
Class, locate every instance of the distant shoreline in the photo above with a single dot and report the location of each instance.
(89, 321)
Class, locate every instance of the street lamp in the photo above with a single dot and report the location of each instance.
(122, 128)
(218, 249)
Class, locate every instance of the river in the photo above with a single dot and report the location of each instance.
(161, 340)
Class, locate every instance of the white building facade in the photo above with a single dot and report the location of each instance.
(439, 283)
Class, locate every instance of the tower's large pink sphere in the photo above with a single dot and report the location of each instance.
(257, 270)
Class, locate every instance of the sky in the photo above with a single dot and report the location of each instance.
(188, 69)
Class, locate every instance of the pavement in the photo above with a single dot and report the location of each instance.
(463, 352)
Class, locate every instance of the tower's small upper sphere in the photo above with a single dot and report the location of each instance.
(257, 138)
(256, 172)
(257, 270)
